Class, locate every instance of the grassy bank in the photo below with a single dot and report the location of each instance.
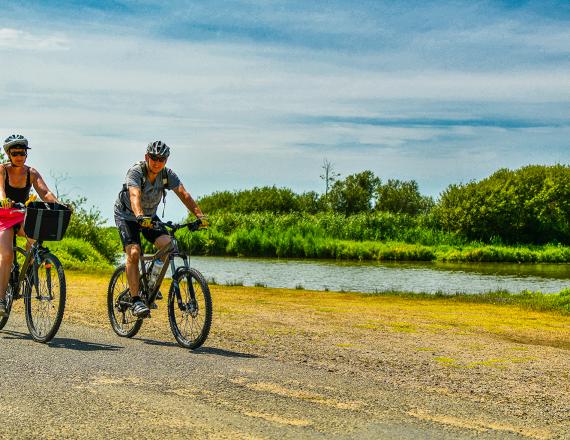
(260, 317)
(294, 244)
(77, 255)
(375, 237)
(92, 288)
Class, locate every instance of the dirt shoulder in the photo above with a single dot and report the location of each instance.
(481, 369)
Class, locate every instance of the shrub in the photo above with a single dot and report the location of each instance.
(528, 205)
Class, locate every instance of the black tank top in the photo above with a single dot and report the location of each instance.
(19, 195)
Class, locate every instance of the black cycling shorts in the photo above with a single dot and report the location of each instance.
(130, 231)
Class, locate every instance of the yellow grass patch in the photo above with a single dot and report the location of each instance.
(265, 317)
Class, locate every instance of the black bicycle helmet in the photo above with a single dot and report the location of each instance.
(158, 148)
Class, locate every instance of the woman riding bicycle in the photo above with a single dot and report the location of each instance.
(135, 208)
(16, 180)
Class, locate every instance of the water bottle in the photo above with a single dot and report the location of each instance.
(155, 273)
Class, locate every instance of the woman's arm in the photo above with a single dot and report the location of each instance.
(41, 188)
(3, 172)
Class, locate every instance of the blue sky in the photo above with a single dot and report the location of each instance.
(260, 92)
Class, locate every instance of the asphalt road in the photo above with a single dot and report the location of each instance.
(88, 383)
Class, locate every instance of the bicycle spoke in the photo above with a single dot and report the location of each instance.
(46, 301)
(190, 322)
(123, 321)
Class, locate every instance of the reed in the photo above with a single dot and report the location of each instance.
(377, 236)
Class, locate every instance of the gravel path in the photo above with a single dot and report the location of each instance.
(88, 383)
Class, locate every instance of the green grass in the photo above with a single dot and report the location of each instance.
(379, 236)
(77, 254)
(537, 301)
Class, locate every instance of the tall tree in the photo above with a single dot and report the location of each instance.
(354, 194)
(402, 197)
(329, 176)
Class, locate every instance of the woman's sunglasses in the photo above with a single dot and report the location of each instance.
(18, 153)
(157, 158)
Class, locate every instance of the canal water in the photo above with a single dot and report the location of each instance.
(374, 277)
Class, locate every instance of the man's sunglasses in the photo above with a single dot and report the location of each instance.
(156, 158)
(18, 153)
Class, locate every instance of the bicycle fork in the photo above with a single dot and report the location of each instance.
(192, 305)
(37, 267)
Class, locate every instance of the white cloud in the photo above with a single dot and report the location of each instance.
(225, 108)
(21, 40)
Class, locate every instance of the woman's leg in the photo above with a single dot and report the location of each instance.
(29, 241)
(6, 258)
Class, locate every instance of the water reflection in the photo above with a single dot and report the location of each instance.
(374, 276)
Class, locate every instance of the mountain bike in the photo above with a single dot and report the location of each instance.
(37, 275)
(189, 300)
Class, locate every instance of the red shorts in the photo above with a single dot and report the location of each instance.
(10, 217)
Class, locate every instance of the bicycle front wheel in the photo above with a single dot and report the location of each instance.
(124, 323)
(190, 308)
(45, 301)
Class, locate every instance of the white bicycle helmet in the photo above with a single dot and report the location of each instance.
(15, 141)
(158, 148)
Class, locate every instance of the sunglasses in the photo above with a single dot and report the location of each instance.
(18, 153)
(156, 158)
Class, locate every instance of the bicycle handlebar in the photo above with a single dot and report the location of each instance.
(192, 226)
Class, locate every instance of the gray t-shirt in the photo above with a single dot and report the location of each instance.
(151, 194)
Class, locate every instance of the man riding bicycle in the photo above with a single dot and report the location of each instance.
(16, 180)
(135, 210)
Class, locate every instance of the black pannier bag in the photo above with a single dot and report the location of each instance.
(46, 221)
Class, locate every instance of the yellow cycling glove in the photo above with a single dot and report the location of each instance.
(31, 199)
(5, 203)
(144, 221)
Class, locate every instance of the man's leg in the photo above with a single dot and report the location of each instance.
(133, 252)
(162, 241)
(130, 237)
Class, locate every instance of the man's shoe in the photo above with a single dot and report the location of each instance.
(3, 309)
(140, 310)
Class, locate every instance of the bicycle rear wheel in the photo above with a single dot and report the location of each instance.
(20, 255)
(9, 300)
(124, 323)
(190, 308)
(45, 301)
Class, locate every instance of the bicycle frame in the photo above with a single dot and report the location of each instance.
(32, 254)
(169, 252)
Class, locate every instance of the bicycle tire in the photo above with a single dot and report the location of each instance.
(9, 297)
(47, 294)
(123, 322)
(198, 310)
(9, 302)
